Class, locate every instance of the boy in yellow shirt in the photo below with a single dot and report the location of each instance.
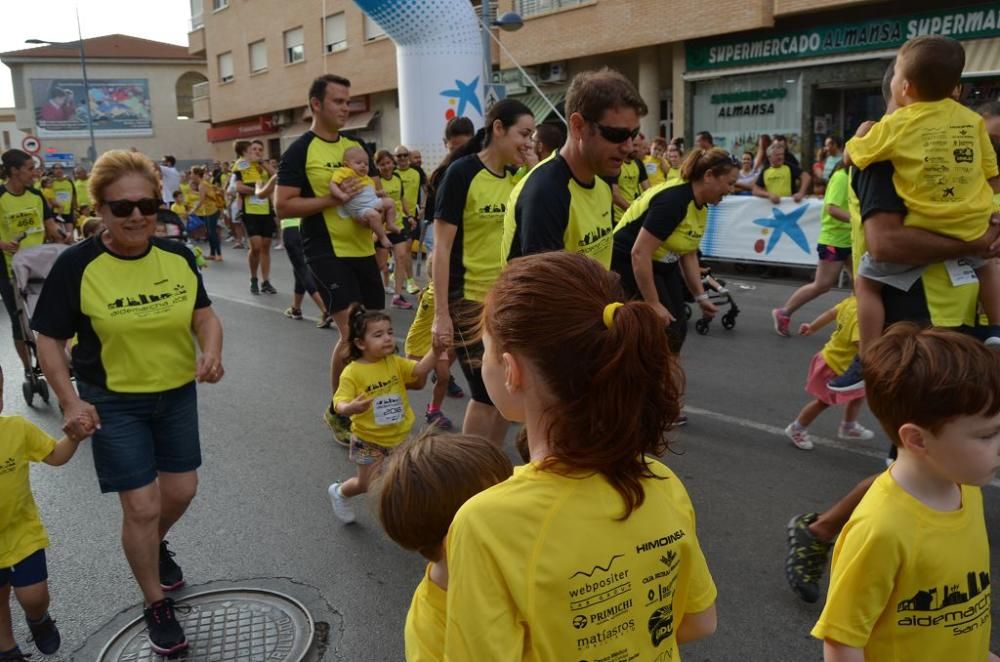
(22, 535)
(911, 569)
(366, 208)
(179, 206)
(945, 172)
(424, 483)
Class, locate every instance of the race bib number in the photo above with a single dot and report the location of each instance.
(960, 272)
(388, 410)
(64, 197)
(254, 200)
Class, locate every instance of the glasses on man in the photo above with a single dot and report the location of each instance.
(124, 208)
(403, 155)
(617, 134)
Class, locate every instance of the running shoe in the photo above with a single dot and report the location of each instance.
(454, 390)
(400, 302)
(267, 288)
(411, 286)
(254, 289)
(438, 420)
(166, 636)
(279, 247)
(851, 380)
(293, 313)
(799, 436)
(781, 322)
(45, 634)
(171, 575)
(679, 422)
(854, 431)
(806, 558)
(15, 655)
(341, 508)
(340, 426)
(389, 289)
(325, 322)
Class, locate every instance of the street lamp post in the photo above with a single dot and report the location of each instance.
(92, 150)
(508, 22)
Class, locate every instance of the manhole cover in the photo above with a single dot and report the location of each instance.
(226, 625)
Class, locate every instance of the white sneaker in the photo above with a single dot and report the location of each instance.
(799, 437)
(341, 508)
(279, 247)
(854, 431)
(390, 289)
(992, 341)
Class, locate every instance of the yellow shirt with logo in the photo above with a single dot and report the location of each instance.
(63, 190)
(541, 568)
(842, 347)
(411, 186)
(393, 187)
(131, 315)
(343, 173)
(308, 165)
(550, 210)
(670, 213)
(629, 182)
(779, 180)
(388, 420)
(423, 634)
(942, 157)
(474, 199)
(654, 170)
(82, 187)
(251, 175)
(22, 218)
(22, 533)
(909, 582)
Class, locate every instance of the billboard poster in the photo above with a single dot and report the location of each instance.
(119, 107)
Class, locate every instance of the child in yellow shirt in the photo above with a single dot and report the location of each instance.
(911, 568)
(424, 483)
(366, 208)
(372, 392)
(179, 206)
(945, 172)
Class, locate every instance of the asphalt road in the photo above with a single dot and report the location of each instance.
(262, 508)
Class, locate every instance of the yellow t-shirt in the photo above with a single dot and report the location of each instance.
(411, 186)
(252, 174)
(423, 634)
(82, 192)
(908, 582)
(49, 194)
(654, 170)
(63, 190)
(942, 157)
(22, 533)
(541, 568)
(22, 216)
(841, 348)
(209, 206)
(393, 187)
(629, 181)
(670, 213)
(673, 173)
(343, 173)
(778, 180)
(179, 209)
(418, 336)
(388, 420)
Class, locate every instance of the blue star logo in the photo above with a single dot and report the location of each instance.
(785, 224)
(466, 94)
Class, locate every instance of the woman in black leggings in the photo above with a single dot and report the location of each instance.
(304, 282)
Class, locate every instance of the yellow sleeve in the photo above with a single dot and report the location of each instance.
(989, 153)
(340, 174)
(482, 622)
(405, 367)
(347, 389)
(37, 444)
(866, 561)
(877, 145)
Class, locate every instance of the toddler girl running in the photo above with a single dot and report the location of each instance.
(366, 208)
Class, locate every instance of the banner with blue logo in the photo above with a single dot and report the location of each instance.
(751, 229)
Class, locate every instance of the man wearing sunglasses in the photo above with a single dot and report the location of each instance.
(565, 203)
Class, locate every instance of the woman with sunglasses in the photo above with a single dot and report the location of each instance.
(134, 301)
(656, 242)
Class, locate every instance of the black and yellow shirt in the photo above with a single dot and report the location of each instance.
(22, 218)
(131, 315)
(393, 187)
(670, 213)
(411, 187)
(250, 175)
(629, 181)
(308, 165)
(781, 180)
(474, 200)
(550, 210)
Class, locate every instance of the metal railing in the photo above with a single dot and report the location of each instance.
(199, 91)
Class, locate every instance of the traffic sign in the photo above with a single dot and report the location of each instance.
(31, 144)
(493, 94)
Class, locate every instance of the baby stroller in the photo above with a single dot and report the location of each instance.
(31, 267)
(175, 226)
(717, 294)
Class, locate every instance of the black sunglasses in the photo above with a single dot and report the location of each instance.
(617, 134)
(123, 208)
(404, 155)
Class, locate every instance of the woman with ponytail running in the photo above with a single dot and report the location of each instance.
(592, 513)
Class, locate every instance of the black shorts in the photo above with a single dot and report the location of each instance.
(259, 225)
(7, 292)
(466, 319)
(669, 288)
(828, 253)
(395, 237)
(346, 280)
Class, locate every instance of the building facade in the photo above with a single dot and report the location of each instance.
(10, 135)
(140, 96)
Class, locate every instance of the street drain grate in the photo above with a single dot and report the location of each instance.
(226, 625)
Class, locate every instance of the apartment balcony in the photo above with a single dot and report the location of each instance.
(202, 103)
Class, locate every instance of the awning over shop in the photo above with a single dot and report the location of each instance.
(793, 64)
(539, 108)
(361, 121)
(982, 57)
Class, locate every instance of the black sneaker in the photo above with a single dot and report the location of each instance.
(171, 575)
(806, 558)
(851, 380)
(267, 288)
(454, 390)
(15, 655)
(166, 636)
(45, 634)
(253, 286)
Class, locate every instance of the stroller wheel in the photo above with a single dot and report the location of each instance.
(687, 311)
(28, 392)
(43, 390)
(701, 326)
(728, 321)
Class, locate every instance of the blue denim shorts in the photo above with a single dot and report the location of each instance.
(142, 434)
(26, 572)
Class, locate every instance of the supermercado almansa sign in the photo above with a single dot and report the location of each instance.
(976, 22)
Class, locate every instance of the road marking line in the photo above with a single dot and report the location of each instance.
(254, 304)
(780, 432)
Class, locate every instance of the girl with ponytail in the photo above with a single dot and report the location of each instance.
(594, 382)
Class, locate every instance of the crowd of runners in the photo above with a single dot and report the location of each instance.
(560, 260)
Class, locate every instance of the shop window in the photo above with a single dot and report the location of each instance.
(295, 50)
(335, 33)
(258, 56)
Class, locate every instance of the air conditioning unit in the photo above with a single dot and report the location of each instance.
(553, 72)
(282, 118)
